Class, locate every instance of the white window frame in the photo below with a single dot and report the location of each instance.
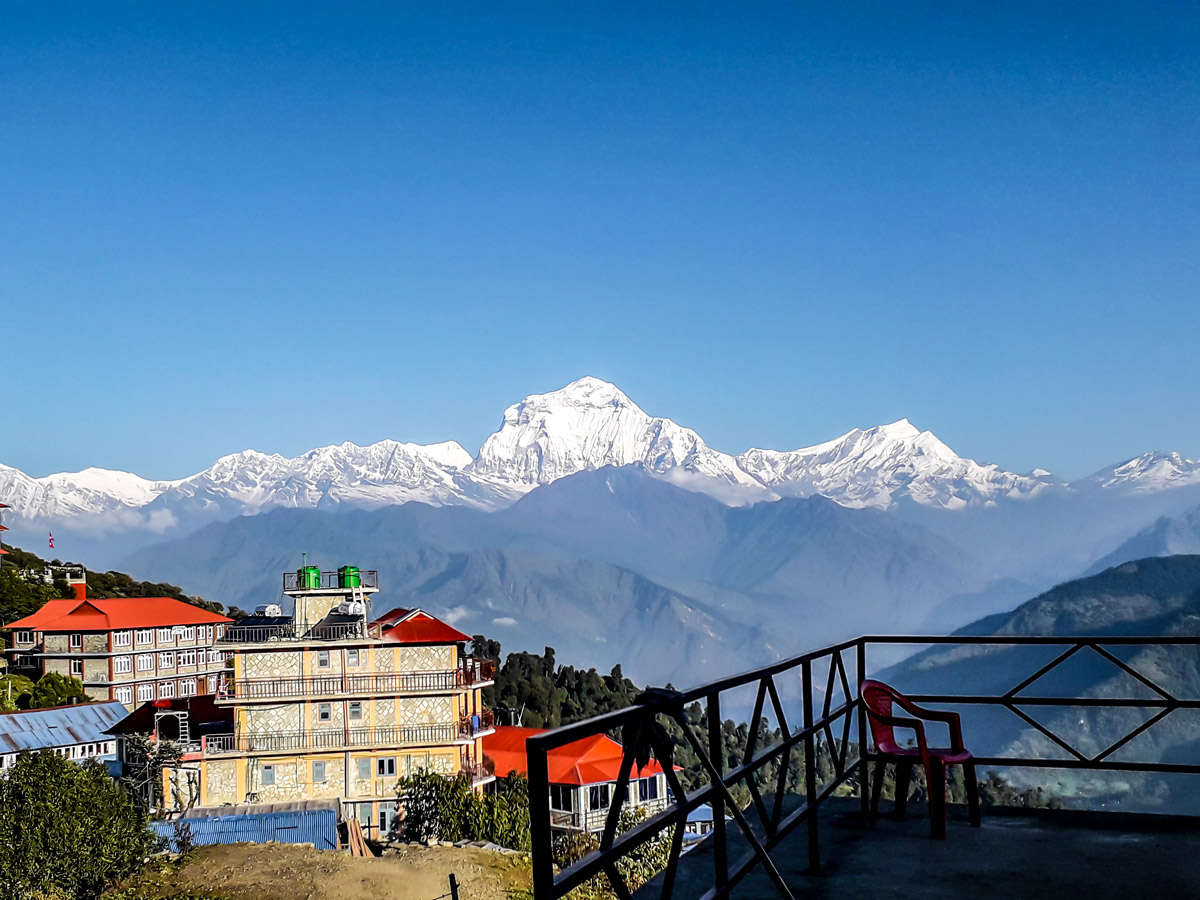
(324, 712)
(186, 658)
(122, 665)
(165, 635)
(352, 657)
(24, 637)
(212, 684)
(123, 695)
(189, 633)
(166, 690)
(77, 668)
(323, 659)
(187, 687)
(166, 659)
(75, 642)
(145, 636)
(122, 638)
(145, 662)
(145, 693)
(385, 767)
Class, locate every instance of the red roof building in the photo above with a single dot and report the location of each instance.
(415, 626)
(583, 777)
(129, 649)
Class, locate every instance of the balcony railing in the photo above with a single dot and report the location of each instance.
(293, 581)
(471, 673)
(436, 734)
(270, 634)
(830, 721)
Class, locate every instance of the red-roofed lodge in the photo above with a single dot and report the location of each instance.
(583, 777)
(129, 649)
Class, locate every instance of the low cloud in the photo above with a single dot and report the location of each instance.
(504, 620)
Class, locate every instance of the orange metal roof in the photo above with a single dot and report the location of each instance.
(415, 626)
(116, 614)
(592, 760)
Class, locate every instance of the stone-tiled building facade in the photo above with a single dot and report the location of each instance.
(129, 649)
(328, 705)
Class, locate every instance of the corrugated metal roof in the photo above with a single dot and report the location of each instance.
(59, 726)
(256, 809)
(303, 826)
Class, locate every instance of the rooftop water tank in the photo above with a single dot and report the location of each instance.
(348, 577)
(268, 609)
(308, 578)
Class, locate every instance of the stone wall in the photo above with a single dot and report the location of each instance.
(337, 716)
(385, 712)
(312, 666)
(95, 643)
(385, 659)
(426, 659)
(220, 782)
(55, 643)
(426, 710)
(287, 781)
(273, 719)
(267, 664)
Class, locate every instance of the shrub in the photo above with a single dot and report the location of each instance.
(66, 829)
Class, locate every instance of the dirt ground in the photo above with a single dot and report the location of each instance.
(290, 872)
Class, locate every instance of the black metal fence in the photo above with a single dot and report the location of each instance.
(299, 581)
(829, 701)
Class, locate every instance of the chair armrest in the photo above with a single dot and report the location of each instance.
(953, 719)
(904, 722)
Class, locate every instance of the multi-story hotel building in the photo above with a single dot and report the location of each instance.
(129, 649)
(330, 703)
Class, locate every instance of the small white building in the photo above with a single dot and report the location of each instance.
(75, 732)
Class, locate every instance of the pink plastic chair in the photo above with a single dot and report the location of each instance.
(879, 700)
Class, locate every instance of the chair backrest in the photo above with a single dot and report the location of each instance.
(878, 699)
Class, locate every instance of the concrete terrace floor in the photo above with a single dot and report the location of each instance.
(1015, 854)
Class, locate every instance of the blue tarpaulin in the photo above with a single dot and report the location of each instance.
(300, 826)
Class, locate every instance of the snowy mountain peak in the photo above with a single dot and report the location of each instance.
(1152, 471)
(587, 425)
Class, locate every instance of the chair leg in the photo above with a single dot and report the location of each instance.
(903, 774)
(972, 792)
(876, 789)
(936, 776)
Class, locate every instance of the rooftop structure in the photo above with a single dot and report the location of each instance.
(129, 649)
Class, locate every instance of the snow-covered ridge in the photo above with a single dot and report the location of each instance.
(584, 426)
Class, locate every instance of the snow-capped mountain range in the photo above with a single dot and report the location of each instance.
(587, 425)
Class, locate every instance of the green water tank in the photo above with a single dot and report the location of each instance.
(309, 578)
(348, 577)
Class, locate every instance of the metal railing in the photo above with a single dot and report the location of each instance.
(831, 721)
(269, 634)
(471, 674)
(435, 734)
(367, 578)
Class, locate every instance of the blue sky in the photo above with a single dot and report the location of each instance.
(279, 226)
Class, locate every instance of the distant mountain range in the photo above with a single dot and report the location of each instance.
(585, 426)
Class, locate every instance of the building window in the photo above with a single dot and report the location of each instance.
(385, 766)
(123, 695)
(24, 637)
(208, 634)
(364, 768)
(166, 660)
(77, 667)
(387, 817)
(187, 657)
(268, 775)
(356, 710)
(77, 642)
(562, 797)
(165, 636)
(324, 712)
(220, 631)
(364, 815)
(212, 684)
(352, 657)
(189, 633)
(145, 692)
(319, 771)
(166, 689)
(122, 665)
(122, 638)
(648, 789)
(145, 662)
(145, 636)
(216, 656)
(187, 687)
(598, 795)
(322, 659)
